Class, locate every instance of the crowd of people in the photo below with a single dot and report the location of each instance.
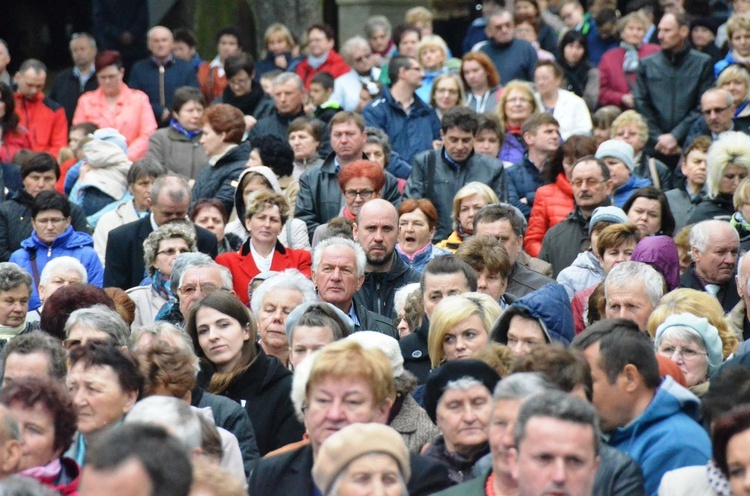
(392, 269)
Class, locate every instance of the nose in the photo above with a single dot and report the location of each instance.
(460, 344)
(336, 411)
(482, 282)
(278, 315)
(336, 274)
(558, 472)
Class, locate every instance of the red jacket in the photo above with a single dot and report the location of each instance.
(552, 203)
(14, 140)
(212, 85)
(612, 81)
(46, 121)
(334, 65)
(243, 268)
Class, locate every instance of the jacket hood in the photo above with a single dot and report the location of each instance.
(68, 239)
(588, 261)
(562, 182)
(660, 252)
(549, 305)
(103, 154)
(239, 201)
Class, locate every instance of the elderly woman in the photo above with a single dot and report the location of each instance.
(14, 137)
(580, 76)
(460, 326)
(362, 459)
(160, 249)
(692, 186)
(209, 214)
(104, 383)
(481, 80)
(648, 209)
(618, 66)
(378, 149)
(458, 398)
(225, 339)
(566, 107)
(272, 302)
(468, 201)
(736, 80)
(47, 420)
(693, 344)
(265, 218)
(305, 136)
(407, 303)
(517, 103)
(447, 92)
(728, 162)
(378, 32)
(15, 292)
(96, 323)
(631, 128)
(115, 105)
(417, 220)
(176, 146)
(59, 272)
(311, 326)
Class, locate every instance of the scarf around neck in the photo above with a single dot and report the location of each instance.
(316, 62)
(174, 124)
(246, 103)
(160, 285)
(630, 62)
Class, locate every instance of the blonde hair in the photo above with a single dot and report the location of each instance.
(278, 28)
(521, 86)
(742, 194)
(629, 118)
(432, 41)
(418, 14)
(732, 149)
(260, 200)
(453, 310)
(734, 73)
(685, 300)
(471, 189)
(632, 17)
(735, 23)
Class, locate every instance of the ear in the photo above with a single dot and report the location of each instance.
(695, 254)
(360, 282)
(737, 282)
(608, 186)
(355, 232)
(383, 410)
(132, 397)
(632, 378)
(684, 31)
(12, 451)
(513, 463)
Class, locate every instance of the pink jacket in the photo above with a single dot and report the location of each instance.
(132, 117)
(612, 81)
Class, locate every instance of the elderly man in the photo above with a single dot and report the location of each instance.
(338, 271)
(170, 197)
(651, 419)
(739, 316)
(11, 449)
(632, 291)
(347, 87)
(288, 93)
(376, 231)
(196, 277)
(43, 117)
(321, 55)
(72, 82)
(341, 375)
(714, 248)
(159, 75)
(35, 354)
(717, 107)
(514, 58)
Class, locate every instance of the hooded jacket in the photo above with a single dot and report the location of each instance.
(376, 293)
(624, 192)
(215, 181)
(585, 271)
(549, 305)
(666, 436)
(334, 65)
(660, 252)
(70, 243)
(552, 203)
(46, 121)
(109, 168)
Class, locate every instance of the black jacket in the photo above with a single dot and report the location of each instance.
(414, 351)
(264, 390)
(291, 473)
(371, 321)
(219, 181)
(66, 89)
(523, 280)
(15, 223)
(377, 292)
(564, 241)
(727, 294)
(124, 266)
(274, 123)
(719, 208)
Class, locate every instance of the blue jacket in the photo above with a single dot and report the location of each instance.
(513, 150)
(70, 243)
(422, 258)
(666, 436)
(723, 64)
(523, 181)
(144, 76)
(409, 134)
(623, 193)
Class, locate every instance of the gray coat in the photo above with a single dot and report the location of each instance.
(414, 425)
(681, 206)
(177, 153)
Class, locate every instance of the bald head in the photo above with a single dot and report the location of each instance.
(160, 43)
(376, 230)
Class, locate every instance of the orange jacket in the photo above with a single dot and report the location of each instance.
(551, 204)
(212, 85)
(46, 121)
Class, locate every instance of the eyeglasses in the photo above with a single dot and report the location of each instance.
(173, 251)
(588, 182)
(191, 289)
(362, 58)
(719, 110)
(239, 83)
(55, 221)
(687, 354)
(365, 194)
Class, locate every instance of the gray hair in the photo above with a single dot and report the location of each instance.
(38, 342)
(463, 384)
(64, 263)
(285, 77)
(377, 136)
(180, 339)
(701, 232)
(289, 279)
(89, 37)
(175, 415)
(145, 167)
(102, 318)
(177, 229)
(377, 23)
(176, 186)
(33, 64)
(685, 333)
(12, 276)
(743, 274)
(626, 273)
(521, 385)
(19, 485)
(359, 253)
(402, 293)
(352, 44)
(732, 149)
(196, 259)
(560, 406)
(156, 28)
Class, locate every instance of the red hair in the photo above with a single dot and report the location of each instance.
(493, 78)
(362, 168)
(107, 58)
(224, 118)
(428, 209)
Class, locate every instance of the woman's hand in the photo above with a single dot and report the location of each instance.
(280, 61)
(628, 100)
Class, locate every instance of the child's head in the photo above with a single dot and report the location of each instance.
(321, 87)
(266, 81)
(432, 53)
(78, 132)
(602, 120)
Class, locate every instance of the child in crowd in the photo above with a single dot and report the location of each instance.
(321, 89)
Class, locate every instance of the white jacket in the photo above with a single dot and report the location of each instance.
(571, 113)
(118, 217)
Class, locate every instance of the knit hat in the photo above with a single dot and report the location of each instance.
(705, 22)
(708, 333)
(111, 135)
(379, 341)
(352, 442)
(617, 149)
(612, 214)
(294, 316)
(454, 370)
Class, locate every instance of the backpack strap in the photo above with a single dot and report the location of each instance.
(653, 172)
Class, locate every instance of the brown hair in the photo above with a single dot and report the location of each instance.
(428, 209)
(493, 78)
(224, 118)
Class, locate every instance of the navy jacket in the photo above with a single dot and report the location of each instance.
(216, 181)
(144, 76)
(516, 60)
(66, 89)
(523, 181)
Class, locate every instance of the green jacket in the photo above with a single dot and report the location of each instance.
(474, 487)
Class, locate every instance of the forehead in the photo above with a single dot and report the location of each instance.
(561, 437)
(587, 169)
(49, 213)
(668, 22)
(333, 384)
(289, 86)
(202, 274)
(344, 127)
(379, 216)
(634, 291)
(455, 280)
(284, 295)
(501, 18)
(723, 235)
(338, 255)
(456, 132)
(501, 226)
(456, 394)
(80, 42)
(160, 34)
(32, 74)
(317, 33)
(165, 200)
(713, 97)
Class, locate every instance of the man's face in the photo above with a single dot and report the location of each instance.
(336, 276)
(716, 112)
(166, 209)
(377, 233)
(503, 232)
(347, 140)
(629, 302)
(18, 365)
(501, 430)
(31, 83)
(161, 43)
(228, 46)
(196, 283)
(361, 59)
(492, 284)
(717, 262)
(556, 457)
(590, 190)
(82, 52)
(546, 138)
(318, 43)
(288, 97)
(571, 14)
(412, 74)
(608, 399)
(671, 35)
(500, 28)
(129, 478)
(458, 144)
(438, 286)
(49, 225)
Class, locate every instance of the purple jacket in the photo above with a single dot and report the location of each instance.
(660, 252)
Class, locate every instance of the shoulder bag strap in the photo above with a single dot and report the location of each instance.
(653, 172)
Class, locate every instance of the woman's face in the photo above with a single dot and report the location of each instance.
(74, 137)
(210, 218)
(689, 356)
(487, 143)
(277, 304)
(601, 135)
(573, 53)
(189, 115)
(213, 142)
(447, 94)
(37, 435)
(475, 75)
(630, 134)
(409, 45)
(646, 214)
(253, 185)
(632, 33)
(14, 304)
(110, 80)
(241, 83)
(617, 254)
(618, 171)
(414, 231)
(167, 253)
(58, 279)
(525, 31)
(568, 162)
(737, 88)
(738, 462)
(307, 339)
(733, 176)
(545, 80)
(462, 417)
(278, 44)
(141, 190)
(518, 107)
(98, 396)
(221, 337)
(468, 209)
(465, 339)
(266, 225)
(524, 335)
(525, 9)
(374, 473)
(374, 153)
(379, 40)
(701, 37)
(432, 59)
(741, 42)
(360, 185)
(303, 144)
